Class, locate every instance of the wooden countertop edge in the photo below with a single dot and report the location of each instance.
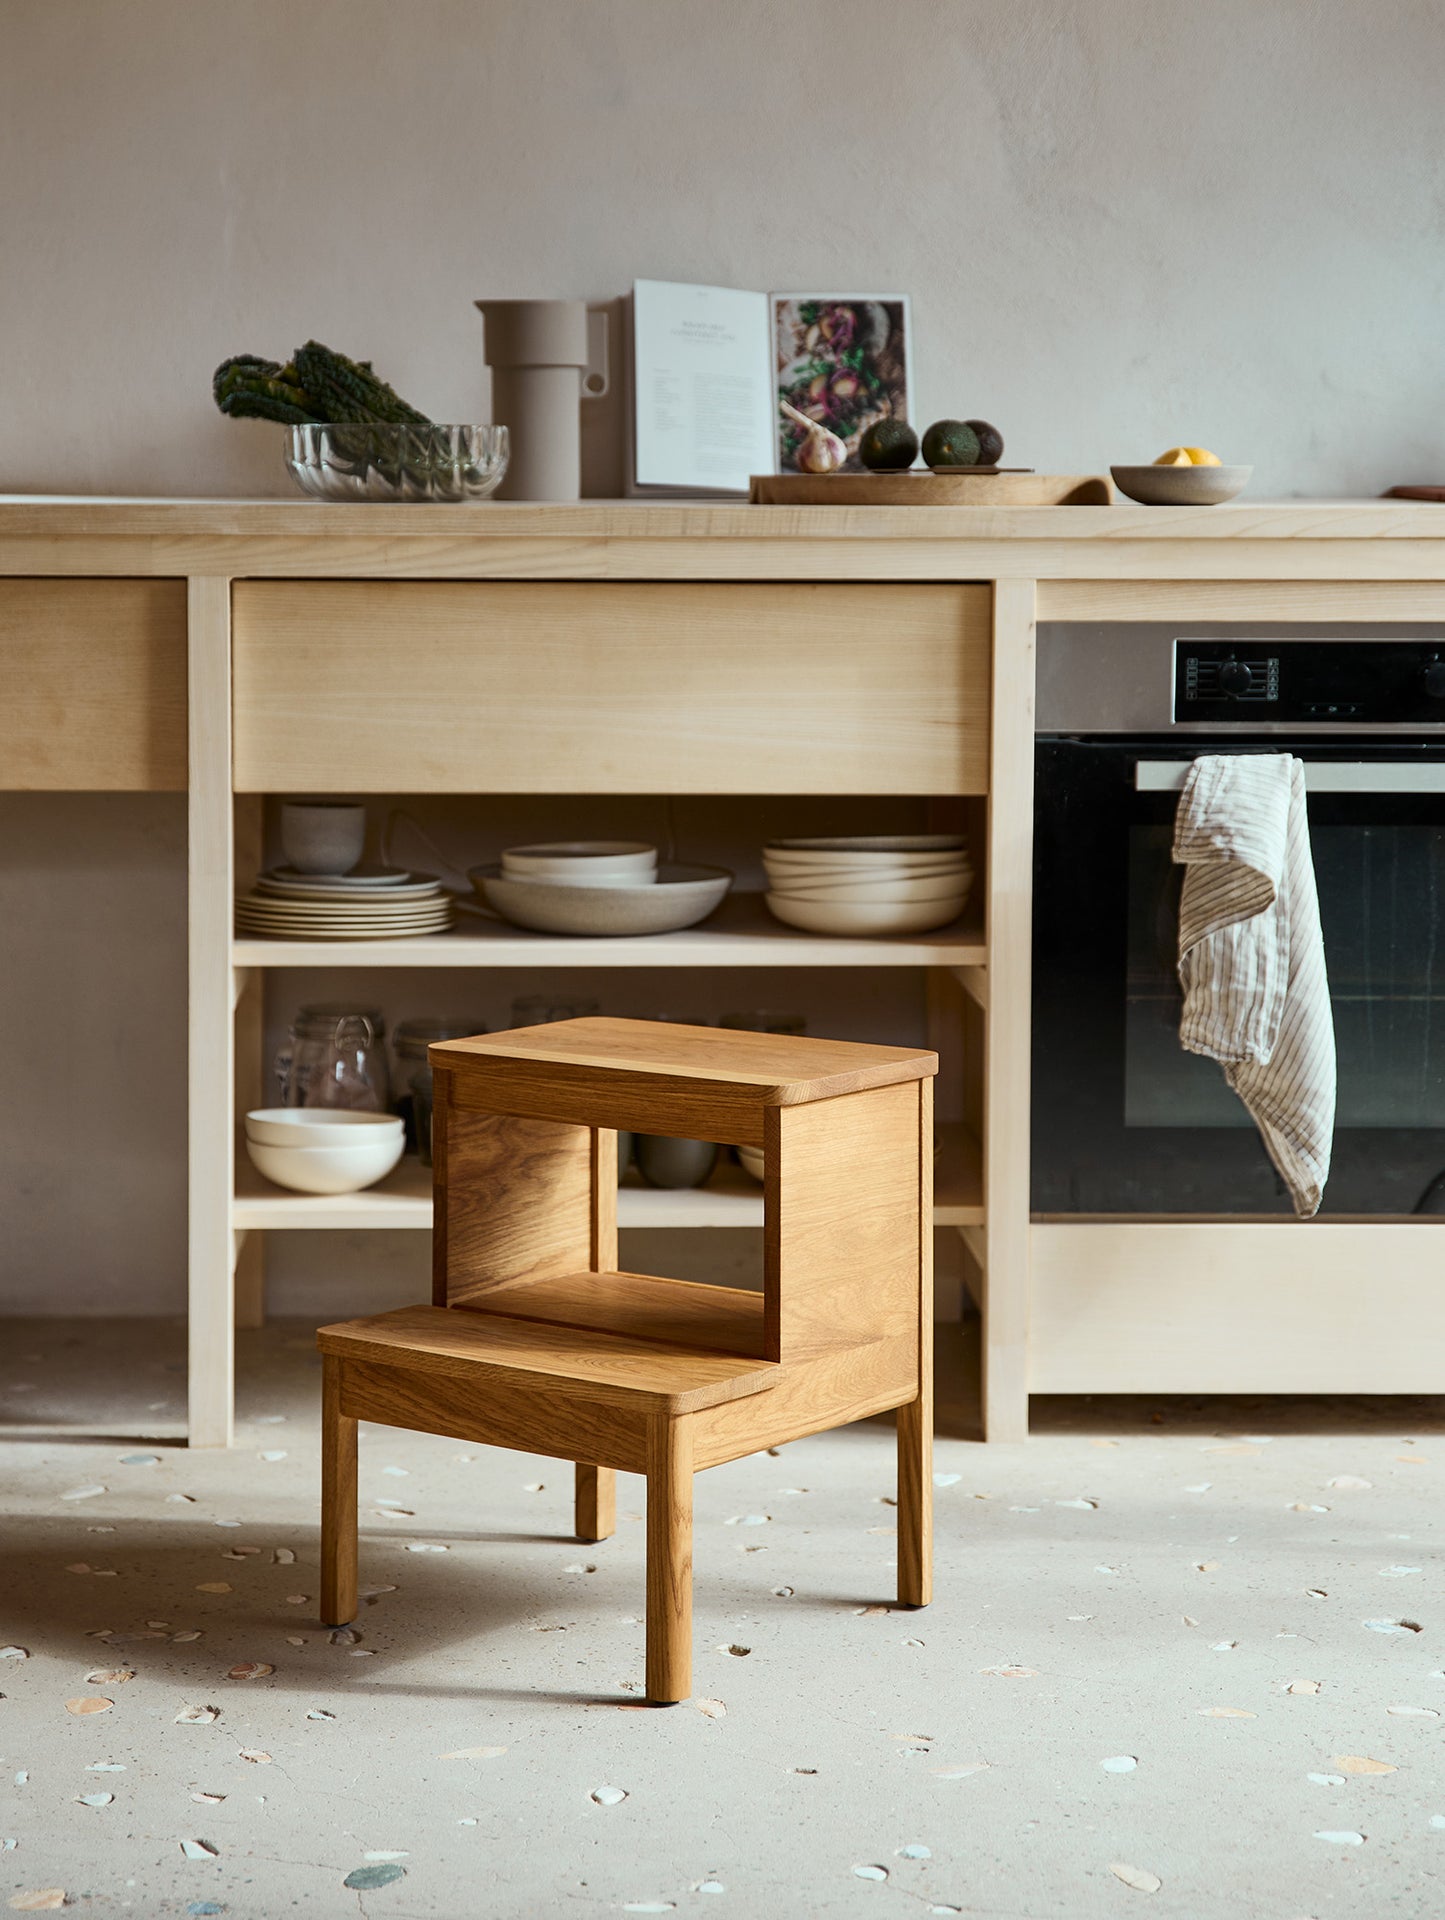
(29, 517)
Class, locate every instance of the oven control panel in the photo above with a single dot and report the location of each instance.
(1242, 682)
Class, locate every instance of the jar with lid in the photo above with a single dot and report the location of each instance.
(413, 1073)
(334, 1055)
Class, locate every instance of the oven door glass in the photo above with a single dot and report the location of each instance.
(1124, 1120)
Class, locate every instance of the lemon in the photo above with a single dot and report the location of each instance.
(1188, 457)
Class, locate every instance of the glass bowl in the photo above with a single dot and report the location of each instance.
(339, 461)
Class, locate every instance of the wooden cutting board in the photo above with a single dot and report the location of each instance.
(923, 489)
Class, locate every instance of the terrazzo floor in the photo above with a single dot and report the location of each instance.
(1186, 1659)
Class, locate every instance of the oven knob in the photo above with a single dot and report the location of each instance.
(1234, 677)
(1433, 679)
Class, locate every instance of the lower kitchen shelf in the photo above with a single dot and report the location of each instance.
(730, 1199)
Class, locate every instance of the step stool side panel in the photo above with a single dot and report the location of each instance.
(844, 1222)
(514, 1200)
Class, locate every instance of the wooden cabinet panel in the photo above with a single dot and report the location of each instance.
(94, 679)
(594, 687)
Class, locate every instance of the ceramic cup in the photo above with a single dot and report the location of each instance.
(323, 836)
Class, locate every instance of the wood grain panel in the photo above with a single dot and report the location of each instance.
(513, 1200)
(582, 687)
(778, 1069)
(1008, 1017)
(643, 1306)
(94, 673)
(528, 1418)
(843, 1207)
(1287, 599)
(1282, 1306)
(828, 1391)
(558, 1361)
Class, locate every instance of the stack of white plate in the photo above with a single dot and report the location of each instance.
(371, 903)
(862, 884)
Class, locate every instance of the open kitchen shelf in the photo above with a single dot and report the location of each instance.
(741, 933)
(730, 1199)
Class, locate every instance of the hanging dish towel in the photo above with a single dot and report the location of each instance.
(1252, 958)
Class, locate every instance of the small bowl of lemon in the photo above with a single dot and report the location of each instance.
(1183, 477)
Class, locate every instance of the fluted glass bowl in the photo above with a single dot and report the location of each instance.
(339, 461)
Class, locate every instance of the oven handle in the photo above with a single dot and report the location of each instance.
(1321, 776)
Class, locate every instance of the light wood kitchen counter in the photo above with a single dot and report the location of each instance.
(914, 675)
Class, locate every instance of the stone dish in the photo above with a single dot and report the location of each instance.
(1181, 486)
(679, 897)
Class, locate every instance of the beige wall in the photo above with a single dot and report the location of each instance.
(1123, 223)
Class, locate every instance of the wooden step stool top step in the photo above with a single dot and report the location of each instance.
(588, 1365)
(755, 1069)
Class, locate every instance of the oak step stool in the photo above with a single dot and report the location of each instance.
(536, 1341)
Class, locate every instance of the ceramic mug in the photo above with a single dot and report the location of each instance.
(323, 836)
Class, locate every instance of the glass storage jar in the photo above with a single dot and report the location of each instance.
(335, 1056)
(410, 1043)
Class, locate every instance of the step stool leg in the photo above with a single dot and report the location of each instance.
(669, 1559)
(596, 1502)
(338, 1501)
(915, 1502)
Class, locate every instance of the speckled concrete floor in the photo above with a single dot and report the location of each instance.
(1243, 1599)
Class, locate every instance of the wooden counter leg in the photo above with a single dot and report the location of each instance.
(338, 1501)
(669, 1560)
(915, 1502)
(1008, 1017)
(596, 1502)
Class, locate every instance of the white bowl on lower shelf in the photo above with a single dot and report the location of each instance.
(327, 1169)
(320, 1126)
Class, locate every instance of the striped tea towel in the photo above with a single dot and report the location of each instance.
(1252, 958)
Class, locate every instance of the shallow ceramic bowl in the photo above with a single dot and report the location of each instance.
(319, 1126)
(883, 893)
(678, 897)
(1181, 486)
(832, 867)
(751, 1161)
(583, 863)
(862, 921)
(327, 1169)
(871, 843)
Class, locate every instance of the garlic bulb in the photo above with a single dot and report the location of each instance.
(819, 451)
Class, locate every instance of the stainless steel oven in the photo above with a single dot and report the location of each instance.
(1124, 1121)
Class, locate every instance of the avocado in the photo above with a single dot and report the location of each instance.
(990, 442)
(951, 443)
(888, 445)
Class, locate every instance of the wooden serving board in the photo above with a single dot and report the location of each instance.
(922, 489)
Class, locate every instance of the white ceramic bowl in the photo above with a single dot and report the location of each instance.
(677, 897)
(868, 863)
(863, 921)
(319, 1126)
(1181, 486)
(872, 843)
(751, 1159)
(883, 893)
(583, 863)
(955, 866)
(327, 1169)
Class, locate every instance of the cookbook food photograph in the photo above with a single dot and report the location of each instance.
(722, 885)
